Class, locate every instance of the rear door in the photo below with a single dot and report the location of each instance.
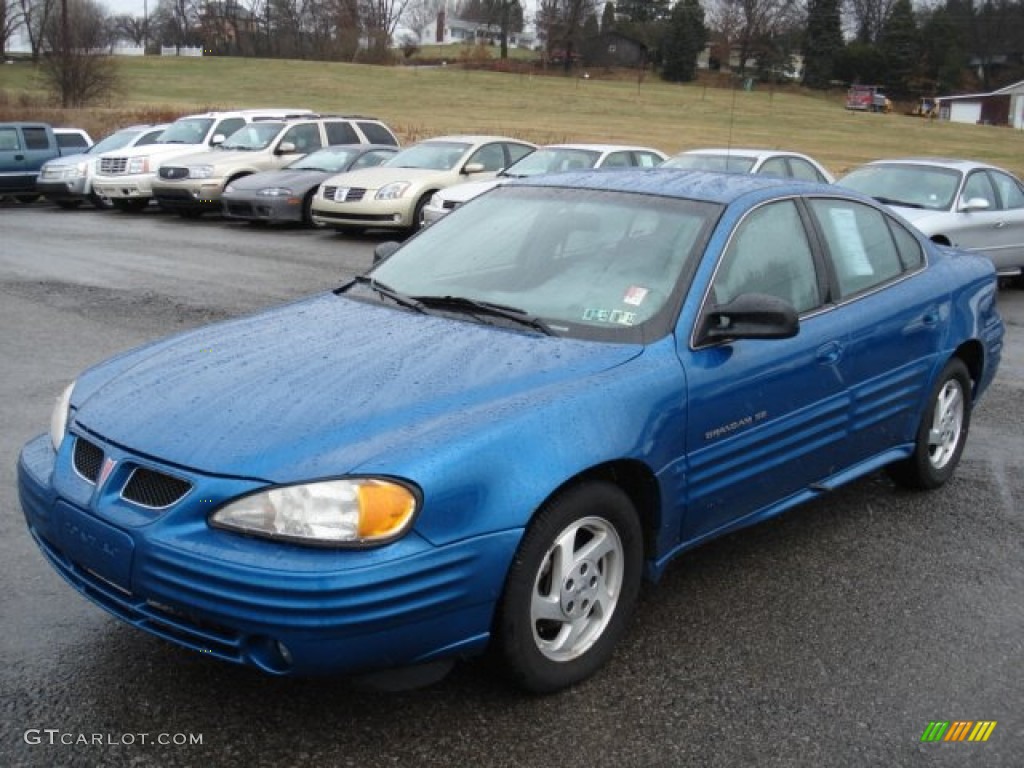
(997, 231)
(12, 158)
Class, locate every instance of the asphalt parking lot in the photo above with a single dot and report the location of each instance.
(829, 637)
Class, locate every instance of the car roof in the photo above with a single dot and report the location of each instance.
(706, 186)
(954, 163)
(271, 113)
(601, 147)
(744, 151)
(473, 138)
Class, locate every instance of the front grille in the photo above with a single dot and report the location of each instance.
(88, 458)
(110, 166)
(173, 172)
(155, 490)
(344, 194)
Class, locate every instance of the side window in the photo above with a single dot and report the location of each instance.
(227, 126)
(1010, 192)
(769, 253)
(149, 138)
(647, 159)
(775, 166)
(9, 139)
(490, 156)
(862, 246)
(801, 169)
(35, 138)
(376, 133)
(340, 132)
(979, 186)
(517, 152)
(617, 160)
(71, 140)
(305, 137)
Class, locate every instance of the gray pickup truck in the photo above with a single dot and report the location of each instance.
(24, 147)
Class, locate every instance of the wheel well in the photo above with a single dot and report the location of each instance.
(941, 240)
(973, 356)
(639, 483)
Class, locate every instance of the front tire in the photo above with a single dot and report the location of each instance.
(571, 588)
(942, 433)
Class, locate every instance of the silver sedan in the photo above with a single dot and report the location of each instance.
(967, 204)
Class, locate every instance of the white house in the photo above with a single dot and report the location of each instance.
(1002, 107)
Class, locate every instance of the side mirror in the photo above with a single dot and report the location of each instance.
(218, 138)
(750, 316)
(384, 250)
(474, 168)
(285, 148)
(975, 204)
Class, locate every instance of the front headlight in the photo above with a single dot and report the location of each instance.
(200, 171)
(392, 191)
(59, 417)
(79, 170)
(356, 511)
(275, 192)
(138, 165)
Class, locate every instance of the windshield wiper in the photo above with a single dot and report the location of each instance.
(900, 203)
(387, 291)
(474, 306)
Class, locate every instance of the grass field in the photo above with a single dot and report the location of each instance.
(419, 102)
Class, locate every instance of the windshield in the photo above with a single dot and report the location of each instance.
(590, 264)
(724, 163)
(189, 130)
(912, 186)
(114, 141)
(553, 160)
(330, 160)
(431, 155)
(253, 136)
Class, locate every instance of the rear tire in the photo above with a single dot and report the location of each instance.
(26, 198)
(571, 588)
(942, 433)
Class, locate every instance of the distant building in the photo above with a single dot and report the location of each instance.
(452, 31)
(1001, 107)
(613, 49)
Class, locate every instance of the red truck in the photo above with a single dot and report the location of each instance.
(867, 98)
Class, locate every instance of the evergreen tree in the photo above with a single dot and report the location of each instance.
(683, 42)
(823, 41)
(608, 18)
(900, 43)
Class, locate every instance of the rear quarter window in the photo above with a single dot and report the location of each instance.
(36, 138)
(340, 132)
(376, 133)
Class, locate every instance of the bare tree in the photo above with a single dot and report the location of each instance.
(421, 14)
(176, 22)
(33, 16)
(749, 25)
(379, 19)
(560, 25)
(78, 68)
(10, 20)
(133, 29)
(868, 17)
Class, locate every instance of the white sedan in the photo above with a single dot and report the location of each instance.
(766, 162)
(548, 159)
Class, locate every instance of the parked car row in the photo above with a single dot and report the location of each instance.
(228, 162)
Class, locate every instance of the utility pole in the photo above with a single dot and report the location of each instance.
(65, 54)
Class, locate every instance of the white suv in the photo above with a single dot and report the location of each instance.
(125, 177)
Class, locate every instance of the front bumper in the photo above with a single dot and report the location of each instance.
(63, 189)
(127, 187)
(261, 208)
(280, 608)
(193, 195)
(368, 214)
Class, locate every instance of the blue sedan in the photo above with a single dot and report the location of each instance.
(493, 437)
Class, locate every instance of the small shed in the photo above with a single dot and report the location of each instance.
(613, 49)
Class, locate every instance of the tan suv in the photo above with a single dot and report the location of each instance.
(193, 184)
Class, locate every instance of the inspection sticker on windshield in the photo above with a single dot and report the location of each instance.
(617, 316)
(635, 295)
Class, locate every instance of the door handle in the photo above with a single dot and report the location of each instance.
(830, 353)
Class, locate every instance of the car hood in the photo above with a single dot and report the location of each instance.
(155, 150)
(283, 178)
(317, 388)
(925, 220)
(460, 193)
(375, 178)
(67, 161)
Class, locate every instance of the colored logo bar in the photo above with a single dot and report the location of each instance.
(958, 730)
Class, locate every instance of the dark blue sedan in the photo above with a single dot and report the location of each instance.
(493, 437)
